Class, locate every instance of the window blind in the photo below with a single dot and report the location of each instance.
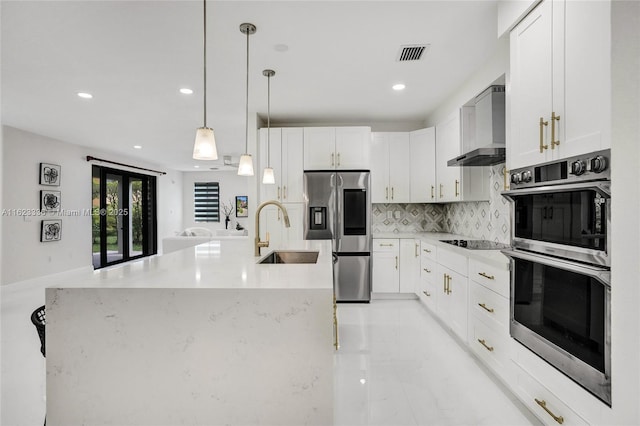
(206, 198)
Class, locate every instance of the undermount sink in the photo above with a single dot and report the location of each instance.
(290, 256)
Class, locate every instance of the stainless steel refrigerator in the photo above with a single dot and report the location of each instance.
(338, 208)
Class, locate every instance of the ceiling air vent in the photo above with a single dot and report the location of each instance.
(411, 52)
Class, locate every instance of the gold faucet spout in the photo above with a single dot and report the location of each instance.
(259, 243)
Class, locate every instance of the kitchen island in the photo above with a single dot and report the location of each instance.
(202, 336)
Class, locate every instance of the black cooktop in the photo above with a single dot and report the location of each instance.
(477, 244)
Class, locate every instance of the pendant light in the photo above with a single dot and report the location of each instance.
(268, 176)
(245, 168)
(204, 147)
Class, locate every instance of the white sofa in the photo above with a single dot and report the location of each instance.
(193, 236)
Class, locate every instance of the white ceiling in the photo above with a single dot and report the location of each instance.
(133, 56)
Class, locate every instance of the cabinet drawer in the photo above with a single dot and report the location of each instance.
(490, 346)
(542, 402)
(388, 245)
(428, 269)
(489, 276)
(427, 293)
(489, 307)
(428, 251)
(454, 261)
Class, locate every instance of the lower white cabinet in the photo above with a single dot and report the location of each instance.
(386, 265)
(451, 300)
(396, 265)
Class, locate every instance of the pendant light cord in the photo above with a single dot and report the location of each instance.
(269, 120)
(205, 61)
(246, 111)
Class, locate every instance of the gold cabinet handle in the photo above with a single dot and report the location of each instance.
(432, 189)
(483, 306)
(448, 284)
(457, 184)
(278, 193)
(543, 404)
(284, 192)
(554, 118)
(386, 193)
(426, 250)
(542, 125)
(396, 262)
(338, 159)
(440, 190)
(484, 274)
(332, 158)
(416, 253)
(444, 283)
(392, 192)
(428, 271)
(487, 347)
(386, 245)
(426, 293)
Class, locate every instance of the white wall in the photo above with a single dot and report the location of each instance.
(230, 185)
(24, 256)
(482, 78)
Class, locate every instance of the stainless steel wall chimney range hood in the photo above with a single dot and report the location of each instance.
(483, 130)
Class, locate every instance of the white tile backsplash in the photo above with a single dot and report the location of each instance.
(488, 220)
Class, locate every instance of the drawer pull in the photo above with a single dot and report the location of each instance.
(426, 293)
(483, 306)
(428, 271)
(483, 343)
(386, 245)
(489, 277)
(543, 404)
(426, 250)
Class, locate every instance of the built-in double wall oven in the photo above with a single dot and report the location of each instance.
(561, 267)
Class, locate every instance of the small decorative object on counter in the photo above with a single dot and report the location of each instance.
(239, 227)
(227, 210)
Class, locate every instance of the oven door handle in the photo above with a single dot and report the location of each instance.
(601, 187)
(601, 274)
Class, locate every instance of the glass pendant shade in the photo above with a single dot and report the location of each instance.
(268, 177)
(204, 147)
(245, 168)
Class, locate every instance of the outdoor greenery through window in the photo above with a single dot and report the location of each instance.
(206, 201)
(123, 216)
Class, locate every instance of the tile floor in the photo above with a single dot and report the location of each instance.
(396, 366)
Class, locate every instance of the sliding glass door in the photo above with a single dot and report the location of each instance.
(124, 216)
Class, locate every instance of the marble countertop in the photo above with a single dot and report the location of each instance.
(219, 263)
(493, 257)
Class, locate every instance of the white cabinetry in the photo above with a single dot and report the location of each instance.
(427, 290)
(422, 157)
(409, 265)
(489, 316)
(560, 60)
(386, 264)
(457, 183)
(341, 148)
(452, 294)
(390, 176)
(286, 160)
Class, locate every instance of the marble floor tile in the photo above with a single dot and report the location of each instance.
(396, 366)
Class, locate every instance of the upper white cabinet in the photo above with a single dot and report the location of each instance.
(286, 160)
(457, 183)
(559, 97)
(422, 154)
(390, 176)
(341, 148)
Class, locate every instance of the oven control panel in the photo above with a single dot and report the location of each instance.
(593, 166)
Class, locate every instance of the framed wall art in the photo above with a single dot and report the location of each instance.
(51, 230)
(49, 174)
(242, 206)
(50, 201)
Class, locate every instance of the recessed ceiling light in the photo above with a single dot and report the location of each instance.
(137, 146)
(85, 95)
(196, 167)
(363, 381)
(280, 47)
(186, 91)
(398, 86)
